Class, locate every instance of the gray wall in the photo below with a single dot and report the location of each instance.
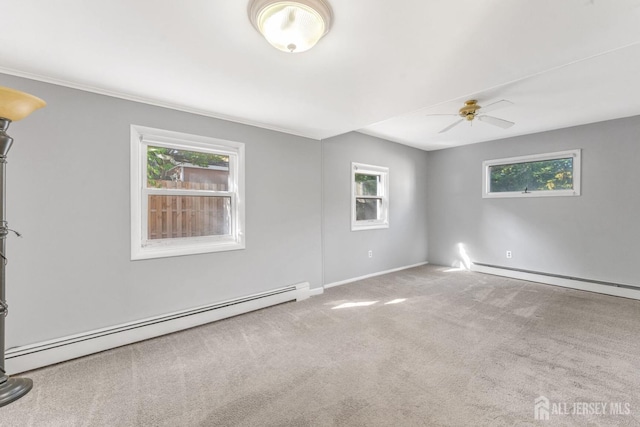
(405, 241)
(68, 193)
(593, 236)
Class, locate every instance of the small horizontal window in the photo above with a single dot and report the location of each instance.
(550, 174)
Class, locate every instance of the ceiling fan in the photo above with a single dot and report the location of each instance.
(472, 110)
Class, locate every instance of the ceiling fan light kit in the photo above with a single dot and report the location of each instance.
(468, 112)
(291, 26)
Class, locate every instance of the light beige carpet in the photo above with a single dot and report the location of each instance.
(453, 349)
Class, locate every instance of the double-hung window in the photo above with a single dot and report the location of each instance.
(369, 197)
(538, 175)
(187, 194)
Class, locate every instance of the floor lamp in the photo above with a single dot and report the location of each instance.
(14, 105)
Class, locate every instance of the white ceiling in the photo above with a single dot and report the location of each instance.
(381, 70)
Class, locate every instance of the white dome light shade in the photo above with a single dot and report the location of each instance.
(291, 26)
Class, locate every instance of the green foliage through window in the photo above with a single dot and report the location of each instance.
(545, 175)
(367, 185)
(162, 162)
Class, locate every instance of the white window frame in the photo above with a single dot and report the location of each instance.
(383, 173)
(144, 248)
(486, 175)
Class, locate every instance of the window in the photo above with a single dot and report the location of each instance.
(186, 194)
(539, 175)
(370, 197)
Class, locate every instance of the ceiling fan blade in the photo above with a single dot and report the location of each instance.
(495, 105)
(435, 115)
(452, 125)
(504, 124)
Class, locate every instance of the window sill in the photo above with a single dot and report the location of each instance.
(521, 194)
(173, 250)
(370, 226)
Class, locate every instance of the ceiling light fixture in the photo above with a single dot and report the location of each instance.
(291, 26)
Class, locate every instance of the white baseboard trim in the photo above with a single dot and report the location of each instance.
(380, 273)
(32, 356)
(316, 291)
(625, 292)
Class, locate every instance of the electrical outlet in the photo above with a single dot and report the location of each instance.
(370, 254)
(509, 254)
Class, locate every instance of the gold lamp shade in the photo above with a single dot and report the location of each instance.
(16, 105)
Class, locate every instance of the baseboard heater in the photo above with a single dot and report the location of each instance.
(32, 356)
(599, 286)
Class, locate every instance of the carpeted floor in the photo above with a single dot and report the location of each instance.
(424, 346)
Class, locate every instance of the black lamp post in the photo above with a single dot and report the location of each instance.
(14, 105)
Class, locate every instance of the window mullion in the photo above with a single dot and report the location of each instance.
(183, 192)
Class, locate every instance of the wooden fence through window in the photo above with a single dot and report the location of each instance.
(175, 216)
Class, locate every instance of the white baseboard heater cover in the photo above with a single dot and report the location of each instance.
(607, 288)
(32, 356)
